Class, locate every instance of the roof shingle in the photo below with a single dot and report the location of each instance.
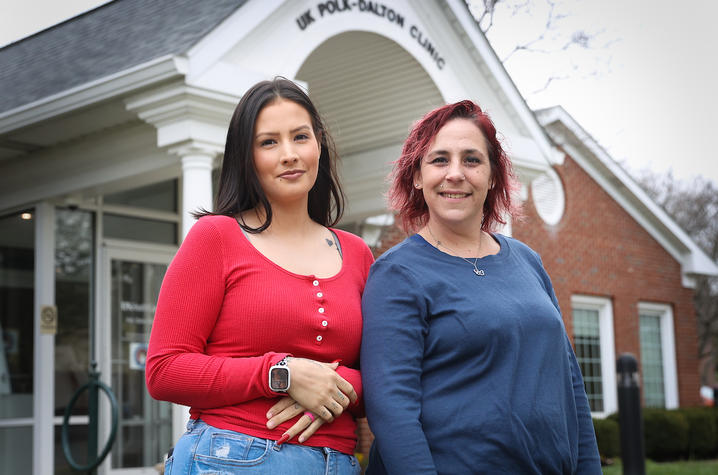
(109, 39)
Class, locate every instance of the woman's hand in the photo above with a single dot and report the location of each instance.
(286, 409)
(318, 388)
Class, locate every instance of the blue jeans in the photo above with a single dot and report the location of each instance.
(204, 449)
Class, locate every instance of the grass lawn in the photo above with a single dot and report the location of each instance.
(694, 467)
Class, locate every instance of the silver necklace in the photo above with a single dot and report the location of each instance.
(477, 271)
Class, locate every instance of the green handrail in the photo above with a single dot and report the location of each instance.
(91, 386)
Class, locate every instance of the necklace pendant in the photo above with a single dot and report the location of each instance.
(479, 271)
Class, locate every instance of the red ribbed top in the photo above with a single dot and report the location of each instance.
(226, 313)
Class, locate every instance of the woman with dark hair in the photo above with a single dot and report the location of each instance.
(466, 364)
(258, 322)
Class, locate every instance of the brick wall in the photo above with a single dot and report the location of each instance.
(598, 249)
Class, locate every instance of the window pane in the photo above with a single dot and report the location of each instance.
(16, 449)
(587, 339)
(17, 289)
(652, 361)
(159, 196)
(138, 229)
(74, 260)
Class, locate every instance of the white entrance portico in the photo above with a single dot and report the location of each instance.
(373, 68)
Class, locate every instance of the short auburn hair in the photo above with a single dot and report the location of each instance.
(409, 202)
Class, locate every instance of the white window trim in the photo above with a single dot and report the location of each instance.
(668, 347)
(608, 354)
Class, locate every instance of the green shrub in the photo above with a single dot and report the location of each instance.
(607, 438)
(702, 432)
(666, 434)
(613, 416)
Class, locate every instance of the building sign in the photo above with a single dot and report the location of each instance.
(332, 7)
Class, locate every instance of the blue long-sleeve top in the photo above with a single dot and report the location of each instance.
(471, 374)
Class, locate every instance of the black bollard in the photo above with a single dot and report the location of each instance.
(630, 418)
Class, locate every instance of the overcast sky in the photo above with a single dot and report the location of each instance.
(652, 102)
(646, 89)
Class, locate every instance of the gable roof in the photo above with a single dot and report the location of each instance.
(586, 151)
(111, 38)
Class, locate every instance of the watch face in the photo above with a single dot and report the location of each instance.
(279, 379)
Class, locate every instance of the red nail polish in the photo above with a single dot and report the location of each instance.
(337, 361)
(283, 439)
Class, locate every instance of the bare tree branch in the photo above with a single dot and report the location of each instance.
(552, 40)
(489, 9)
(548, 82)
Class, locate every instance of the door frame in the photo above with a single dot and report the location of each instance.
(131, 251)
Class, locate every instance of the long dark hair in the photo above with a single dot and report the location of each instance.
(239, 188)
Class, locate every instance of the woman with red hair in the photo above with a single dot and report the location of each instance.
(466, 365)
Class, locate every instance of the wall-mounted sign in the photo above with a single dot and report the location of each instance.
(138, 356)
(331, 7)
(48, 320)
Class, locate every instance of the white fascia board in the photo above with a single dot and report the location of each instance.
(165, 99)
(692, 258)
(525, 156)
(468, 23)
(228, 78)
(210, 49)
(158, 69)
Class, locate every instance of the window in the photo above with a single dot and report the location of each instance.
(587, 340)
(148, 214)
(158, 196)
(593, 342)
(658, 360)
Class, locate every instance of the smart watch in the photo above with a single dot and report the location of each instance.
(279, 376)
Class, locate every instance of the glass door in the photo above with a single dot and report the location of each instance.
(132, 278)
(17, 349)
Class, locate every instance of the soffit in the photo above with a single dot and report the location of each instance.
(368, 89)
(66, 128)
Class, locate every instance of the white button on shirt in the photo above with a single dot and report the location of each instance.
(321, 309)
(320, 295)
(315, 283)
(325, 323)
(319, 338)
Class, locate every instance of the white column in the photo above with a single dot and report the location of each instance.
(197, 164)
(44, 364)
(196, 181)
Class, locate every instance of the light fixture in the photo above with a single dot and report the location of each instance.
(26, 216)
